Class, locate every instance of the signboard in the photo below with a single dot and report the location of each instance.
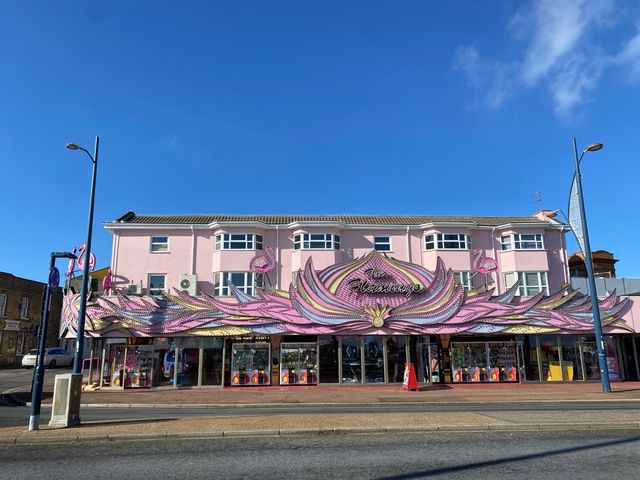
(54, 278)
(13, 325)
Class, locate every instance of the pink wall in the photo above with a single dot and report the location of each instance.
(133, 261)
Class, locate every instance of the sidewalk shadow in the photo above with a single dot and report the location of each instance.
(20, 399)
(433, 388)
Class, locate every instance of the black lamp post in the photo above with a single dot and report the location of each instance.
(77, 361)
(586, 250)
(38, 371)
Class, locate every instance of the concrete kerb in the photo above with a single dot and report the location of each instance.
(466, 403)
(54, 439)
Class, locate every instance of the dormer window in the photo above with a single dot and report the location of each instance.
(522, 241)
(238, 241)
(316, 241)
(447, 241)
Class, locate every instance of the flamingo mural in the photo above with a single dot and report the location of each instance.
(81, 258)
(484, 265)
(263, 263)
(106, 282)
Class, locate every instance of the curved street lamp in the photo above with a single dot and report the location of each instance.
(77, 361)
(579, 228)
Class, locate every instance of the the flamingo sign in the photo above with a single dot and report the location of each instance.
(78, 264)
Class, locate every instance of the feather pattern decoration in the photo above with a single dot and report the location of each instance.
(371, 295)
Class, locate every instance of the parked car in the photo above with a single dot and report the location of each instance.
(53, 357)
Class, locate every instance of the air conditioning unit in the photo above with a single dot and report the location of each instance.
(188, 284)
(134, 289)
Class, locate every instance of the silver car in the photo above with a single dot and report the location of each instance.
(53, 357)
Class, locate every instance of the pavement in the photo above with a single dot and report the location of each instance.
(473, 395)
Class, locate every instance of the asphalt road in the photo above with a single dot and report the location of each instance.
(490, 455)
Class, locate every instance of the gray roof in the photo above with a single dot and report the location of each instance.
(134, 218)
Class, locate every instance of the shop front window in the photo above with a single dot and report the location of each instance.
(469, 362)
(298, 363)
(188, 364)
(484, 362)
(529, 357)
(590, 359)
(250, 364)
(164, 356)
(132, 366)
(328, 356)
(571, 364)
(550, 358)
(373, 359)
(435, 363)
(396, 358)
(351, 360)
(503, 362)
(421, 359)
(212, 361)
(612, 359)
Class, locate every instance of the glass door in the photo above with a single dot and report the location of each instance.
(351, 360)
(396, 358)
(373, 359)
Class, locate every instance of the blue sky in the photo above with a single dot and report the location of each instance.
(314, 108)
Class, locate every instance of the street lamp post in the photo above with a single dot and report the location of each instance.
(586, 250)
(77, 361)
(38, 371)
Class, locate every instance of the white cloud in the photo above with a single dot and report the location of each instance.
(629, 57)
(490, 77)
(561, 51)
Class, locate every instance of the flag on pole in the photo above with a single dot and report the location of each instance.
(575, 219)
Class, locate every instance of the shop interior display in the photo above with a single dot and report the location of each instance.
(250, 364)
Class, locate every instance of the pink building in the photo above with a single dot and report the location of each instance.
(276, 299)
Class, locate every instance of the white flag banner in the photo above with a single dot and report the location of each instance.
(575, 219)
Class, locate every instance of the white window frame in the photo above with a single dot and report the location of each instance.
(515, 241)
(526, 289)
(444, 241)
(383, 241)
(305, 240)
(238, 241)
(156, 246)
(24, 308)
(156, 291)
(3, 304)
(464, 279)
(251, 282)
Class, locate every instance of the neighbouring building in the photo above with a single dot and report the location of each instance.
(603, 264)
(20, 314)
(95, 284)
(348, 299)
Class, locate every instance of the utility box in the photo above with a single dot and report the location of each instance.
(65, 411)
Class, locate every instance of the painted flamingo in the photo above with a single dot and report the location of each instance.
(263, 263)
(81, 255)
(106, 282)
(482, 264)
